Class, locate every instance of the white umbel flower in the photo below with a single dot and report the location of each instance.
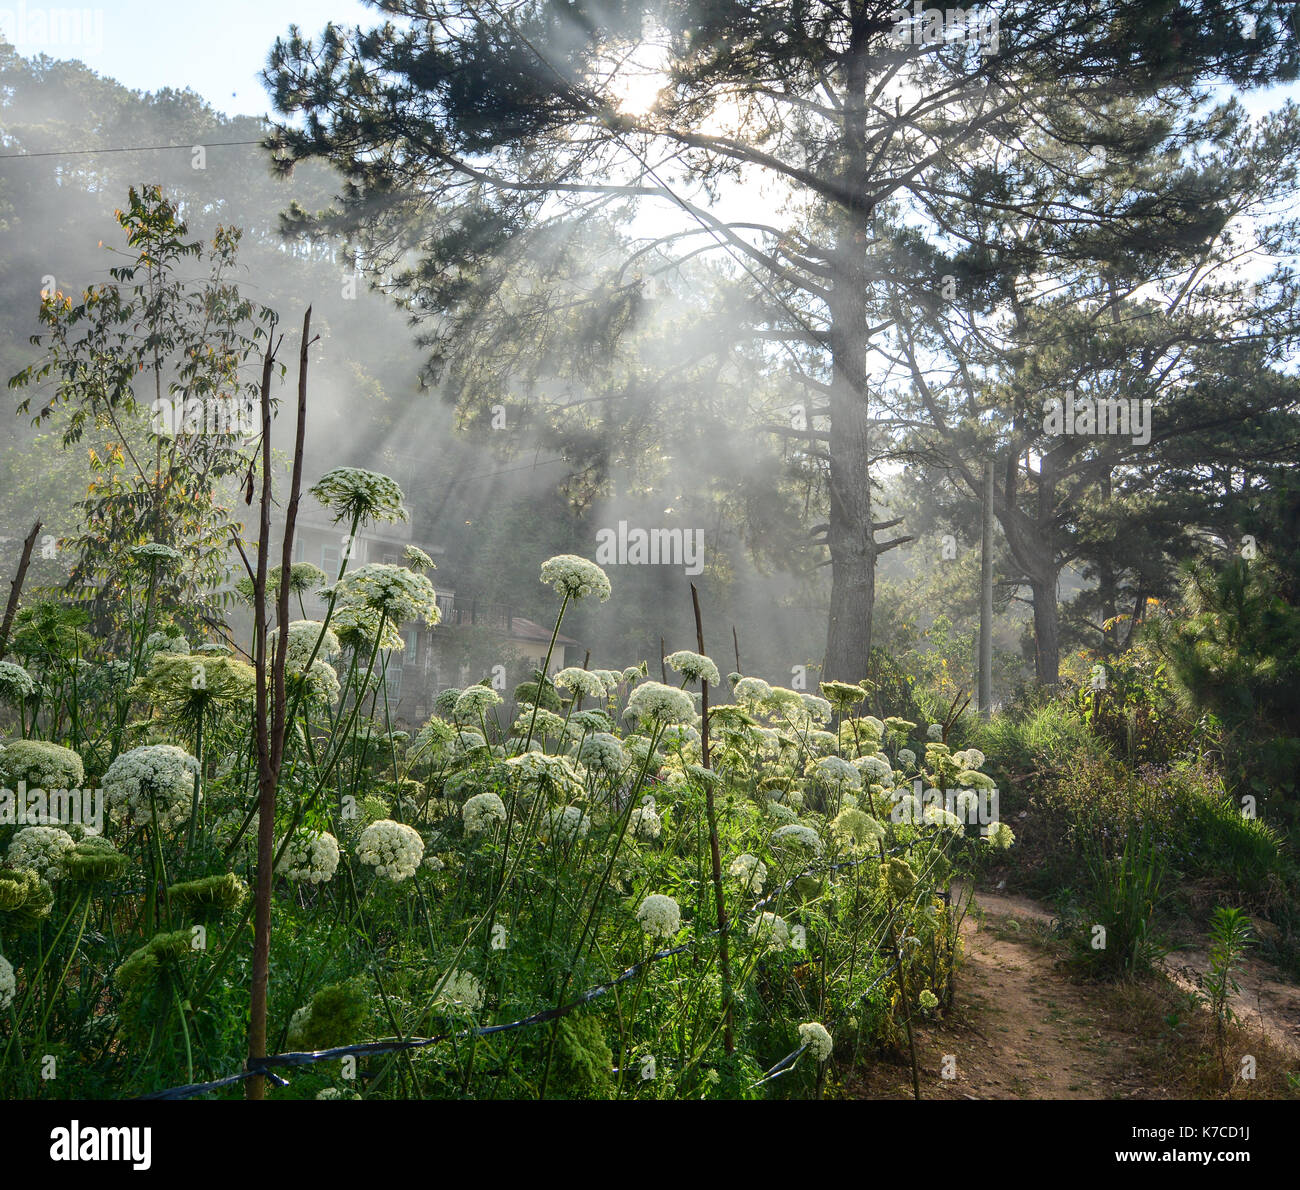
(313, 856)
(694, 667)
(750, 871)
(645, 822)
(393, 849)
(567, 824)
(657, 703)
(660, 916)
(602, 751)
(44, 849)
(8, 983)
(575, 577)
(818, 1040)
(481, 812)
(799, 836)
(155, 777)
(770, 929)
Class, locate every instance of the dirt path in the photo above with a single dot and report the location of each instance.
(1021, 1028)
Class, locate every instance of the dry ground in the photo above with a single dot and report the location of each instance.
(1023, 1026)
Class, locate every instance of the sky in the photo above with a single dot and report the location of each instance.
(218, 49)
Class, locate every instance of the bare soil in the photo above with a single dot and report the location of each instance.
(1022, 1026)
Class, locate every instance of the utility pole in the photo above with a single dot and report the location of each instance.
(985, 683)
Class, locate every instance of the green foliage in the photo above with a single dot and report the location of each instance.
(1229, 936)
(1122, 895)
(126, 355)
(1233, 650)
(338, 1014)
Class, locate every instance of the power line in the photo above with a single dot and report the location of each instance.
(127, 149)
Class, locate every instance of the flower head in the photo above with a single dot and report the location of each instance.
(393, 849)
(399, 594)
(8, 983)
(312, 856)
(799, 837)
(155, 778)
(660, 916)
(43, 849)
(575, 577)
(657, 703)
(581, 681)
(818, 1040)
(16, 684)
(481, 811)
(694, 667)
(749, 871)
(770, 929)
(353, 494)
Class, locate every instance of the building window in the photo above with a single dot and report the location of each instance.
(412, 637)
(329, 561)
(393, 680)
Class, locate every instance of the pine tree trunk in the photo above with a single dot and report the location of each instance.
(849, 535)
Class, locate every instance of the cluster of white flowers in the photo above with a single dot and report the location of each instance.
(969, 758)
(934, 731)
(321, 683)
(42, 765)
(645, 822)
(781, 813)
(16, 684)
(462, 990)
(875, 769)
(336, 1093)
(475, 702)
(302, 638)
(935, 815)
(818, 1040)
(399, 594)
(8, 983)
(857, 827)
(906, 758)
(770, 929)
(601, 750)
(694, 667)
(654, 702)
(750, 871)
(354, 493)
(467, 742)
(660, 916)
(153, 777)
(538, 720)
(817, 709)
(358, 625)
(752, 691)
(928, 1000)
(797, 835)
(550, 772)
(481, 811)
(44, 849)
(313, 856)
(1000, 836)
(585, 682)
(575, 577)
(835, 770)
(165, 642)
(393, 849)
(566, 824)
